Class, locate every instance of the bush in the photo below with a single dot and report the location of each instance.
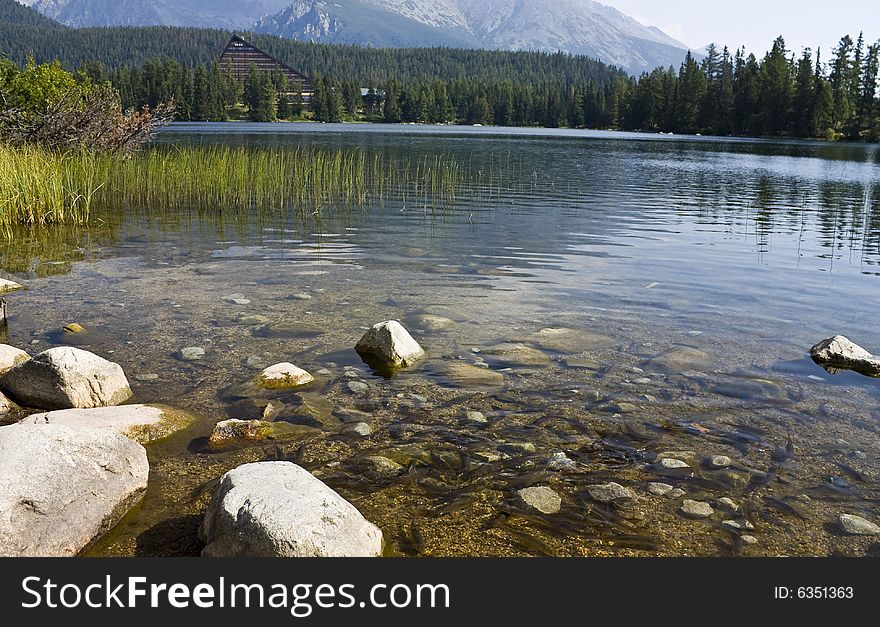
(46, 106)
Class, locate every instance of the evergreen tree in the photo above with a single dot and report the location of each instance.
(692, 86)
(391, 111)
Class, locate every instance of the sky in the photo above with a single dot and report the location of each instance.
(756, 23)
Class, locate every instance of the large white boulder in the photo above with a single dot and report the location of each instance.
(61, 488)
(277, 509)
(839, 352)
(10, 357)
(390, 345)
(64, 378)
(141, 423)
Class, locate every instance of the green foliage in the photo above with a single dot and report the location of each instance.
(36, 88)
(41, 187)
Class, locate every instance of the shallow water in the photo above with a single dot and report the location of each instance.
(615, 298)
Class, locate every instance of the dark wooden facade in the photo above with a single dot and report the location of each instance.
(240, 54)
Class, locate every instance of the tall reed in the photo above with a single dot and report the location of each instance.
(39, 187)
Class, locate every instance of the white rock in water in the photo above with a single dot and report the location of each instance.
(719, 461)
(696, 509)
(358, 387)
(9, 286)
(10, 357)
(277, 509)
(673, 464)
(660, 489)
(390, 344)
(858, 526)
(65, 378)
(840, 352)
(141, 423)
(191, 353)
(283, 376)
(542, 498)
(610, 493)
(61, 488)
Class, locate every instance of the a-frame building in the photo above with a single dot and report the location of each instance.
(240, 54)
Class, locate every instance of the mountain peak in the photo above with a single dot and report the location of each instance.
(583, 27)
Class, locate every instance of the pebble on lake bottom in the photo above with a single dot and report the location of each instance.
(610, 492)
(659, 489)
(362, 429)
(192, 353)
(719, 461)
(544, 499)
(673, 464)
(696, 509)
(476, 416)
(727, 503)
(858, 526)
(358, 387)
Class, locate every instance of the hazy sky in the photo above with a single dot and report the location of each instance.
(756, 23)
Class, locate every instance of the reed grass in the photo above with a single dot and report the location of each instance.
(41, 187)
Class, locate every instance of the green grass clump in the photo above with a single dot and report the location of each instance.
(41, 187)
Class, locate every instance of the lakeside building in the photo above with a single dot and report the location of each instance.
(240, 54)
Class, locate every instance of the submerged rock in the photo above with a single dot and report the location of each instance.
(858, 526)
(719, 461)
(10, 357)
(466, 375)
(358, 387)
(389, 345)
(74, 327)
(680, 359)
(141, 423)
(62, 488)
(610, 493)
(383, 465)
(517, 355)
(277, 509)
(430, 322)
(191, 353)
(476, 416)
(289, 329)
(571, 341)
(235, 429)
(64, 378)
(696, 509)
(839, 353)
(284, 376)
(727, 503)
(659, 489)
(544, 499)
(668, 463)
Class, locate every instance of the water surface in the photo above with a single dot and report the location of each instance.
(603, 300)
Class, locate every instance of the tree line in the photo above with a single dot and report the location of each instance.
(724, 92)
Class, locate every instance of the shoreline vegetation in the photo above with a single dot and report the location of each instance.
(40, 186)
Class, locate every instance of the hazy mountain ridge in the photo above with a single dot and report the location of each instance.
(576, 26)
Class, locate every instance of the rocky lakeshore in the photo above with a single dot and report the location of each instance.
(588, 474)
